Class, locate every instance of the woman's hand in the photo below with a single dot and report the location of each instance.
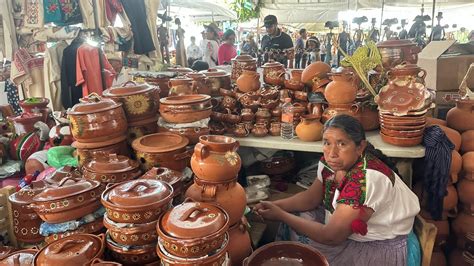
(269, 210)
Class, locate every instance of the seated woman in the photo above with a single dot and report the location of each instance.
(369, 211)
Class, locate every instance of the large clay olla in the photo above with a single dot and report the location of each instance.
(315, 70)
(341, 89)
(461, 226)
(453, 136)
(468, 164)
(310, 129)
(240, 244)
(467, 141)
(461, 117)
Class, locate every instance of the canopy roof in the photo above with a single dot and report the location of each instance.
(200, 10)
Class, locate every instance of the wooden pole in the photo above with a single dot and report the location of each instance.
(381, 18)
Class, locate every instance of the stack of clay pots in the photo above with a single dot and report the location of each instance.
(242, 63)
(38, 106)
(172, 177)
(216, 164)
(132, 212)
(340, 94)
(99, 125)
(140, 103)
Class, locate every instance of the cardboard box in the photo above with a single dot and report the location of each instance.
(446, 64)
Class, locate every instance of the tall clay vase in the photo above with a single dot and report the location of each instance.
(341, 90)
(229, 195)
(215, 158)
(461, 117)
(310, 128)
(248, 81)
(240, 245)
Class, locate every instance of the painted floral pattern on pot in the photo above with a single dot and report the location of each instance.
(137, 104)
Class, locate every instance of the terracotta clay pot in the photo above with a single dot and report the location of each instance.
(201, 84)
(95, 227)
(219, 79)
(286, 253)
(134, 255)
(181, 86)
(295, 82)
(274, 73)
(441, 236)
(185, 108)
(131, 234)
(275, 128)
(260, 130)
(137, 201)
(111, 168)
(159, 79)
(71, 199)
(78, 249)
(25, 122)
(247, 114)
(248, 81)
(241, 130)
(140, 101)
(191, 133)
(467, 141)
(461, 226)
(341, 89)
(162, 149)
(466, 194)
(453, 136)
(263, 115)
(316, 73)
(461, 117)
(241, 63)
(337, 109)
(230, 195)
(394, 52)
(468, 165)
(406, 72)
(141, 128)
(193, 229)
(173, 178)
(455, 167)
(309, 129)
(21, 257)
(215, 158)
(450, 201)
(369, 118)
(37, 105)
(459, 257)
(97, 120)
(88, 151)
(240, 245)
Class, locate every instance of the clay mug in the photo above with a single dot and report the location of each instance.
(275, 128)
(260, 130)
(229, 102)
(241, 130)
(247, 114)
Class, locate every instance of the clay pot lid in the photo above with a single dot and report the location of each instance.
(35, 101)
(272, 64)
(76, 249)
(128, 88)
(94, 145)
(395, 43)
(194, 220)
(26, 117)
(163, 174)
(180, 69)
(212, 72)
(26, 194)
(93, 104)
(185, 99)
(160, 142)
(316, 70)
(68, 187)
(196, 75)
(244, 58)
(21, 257)
(138, 192)
(181, 78)
(111, 163)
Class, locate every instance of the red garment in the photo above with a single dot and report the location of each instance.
(112, 7)
(225, 53)
(88, 70)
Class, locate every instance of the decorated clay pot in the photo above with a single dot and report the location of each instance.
(275, 128)
(461, 117)
(96, 120)
(131, 234)
(215, 158)
(229, 102)
(310, 128)
(341, 89)
(185, 108)
(467, 143)
(87, 151)
(247, 114)
(240, 245)
(201, 84)
(218, 258)
(241, 130)
(219, 79)
(260, 130)
(137, 201)
(141, 128)
(21, 257)
(111, 168)
(248, 81)
(25, 122)
(162, 150)
(274, 73)
(134, 255)
(159, 79)
(230, 195)
(173, 178)
(263, 115)
(37, 106)
(181, 86)
(394, 52)
(316, 74)
(337, 109)
(140, 101)
(295, 82)
(241, 63)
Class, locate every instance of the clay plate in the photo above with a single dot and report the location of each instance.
(402, 142)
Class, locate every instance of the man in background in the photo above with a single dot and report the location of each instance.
(194, 52)
(276, 43)
(300, 48)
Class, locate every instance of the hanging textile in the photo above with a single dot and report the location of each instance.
(88, 70)
(28, 70)
(52, 74)
(152, 15)
(33, 14)
(142, 39)
(87, 10)
(70, 93)
(12, 96)
(112, 8)
(62, 12)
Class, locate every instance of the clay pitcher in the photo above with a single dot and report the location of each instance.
(241, 130)
(181, 86)
(461, 117)
(337, 109)
(309, 129)
(248, 81)
(215, 158)
(201, 84)
(275, 128)
(341, 89)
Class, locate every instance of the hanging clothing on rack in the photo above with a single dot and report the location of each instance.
(12, 96)
(62, 12)
(142, 39)
(88, 72)
(28, 71)
(52, 74)
(152, 15)
(34, 16)
(70, 93)
(112, 8)
(87, 10)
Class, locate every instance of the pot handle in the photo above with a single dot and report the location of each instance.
(102, 238)
(183, 155)
(137, 184)
(237, 145)
(70, 243)
(93, 97)
(187, 214)
(423, 75)
(208, 192)
(245, 262)
(67, 179)
(201, 151)
(355, 108)
(128, 83)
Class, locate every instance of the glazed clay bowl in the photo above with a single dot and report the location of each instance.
(86, 151)
(193, 229)
(78, 249)
(111, 168)
(191, 133)
(402, 128)
(71, 199)
(94, 228)
(403, 134)
(135, 255)
(131, 234)
(162, 150)
(21, 257)
(402, 142)
(137, 201)
(286, 253)
(394, 123)
(173, 178)
(140, 101)
(185, 108)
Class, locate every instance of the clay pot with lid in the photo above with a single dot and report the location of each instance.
(88, 151)
(131, 234)
(316, 73)
(134, 255)
(341, 89)
(193, 229)
(111, 168)
(140, 101)
(96, 120)
(274, 73)
(71, 199)
(337, 109)
(215, 158)
(241, 63)
(248, 81)
(185, 108)
(230, 195)
(174, 178)
(240, 245)
(181, 86)
(467, 143)
(310, 128)
(137, 201)
(461, 117)
(394, 52)
(218, 79)
(162, 150)
(26, 222)
(201, 84)
(24, 257)
(78, 249)
(25, 122)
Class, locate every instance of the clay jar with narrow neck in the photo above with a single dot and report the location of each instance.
(310, 128)
(341, 89)
(461, 117)
(337, 109)
(274, 73)
(248, 81)
(215, 158)
(241, 63)
(241, 130)
(407, 72)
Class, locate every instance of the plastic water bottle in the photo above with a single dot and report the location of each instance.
(287, 129)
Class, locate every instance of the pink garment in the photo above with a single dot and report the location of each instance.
(88, 70)
(226, 53)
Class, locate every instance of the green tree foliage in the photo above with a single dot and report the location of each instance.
(245, 9)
